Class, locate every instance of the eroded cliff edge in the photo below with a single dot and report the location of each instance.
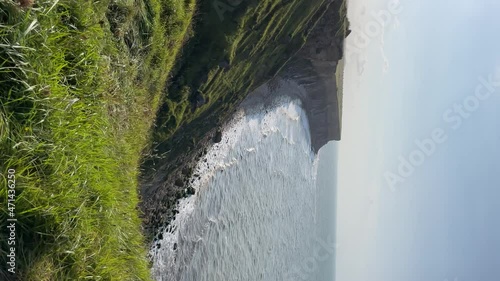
(314, 68)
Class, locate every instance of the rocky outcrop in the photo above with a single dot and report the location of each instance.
(319, 98)
(218, 136)
(313, 68)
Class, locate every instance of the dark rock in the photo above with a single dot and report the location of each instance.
(200, 100)
(179, 183)
(179, 194)
(158, 245)
(225, 65)
(197, 100)
(175, 246)
(204, 78)
(190, 191)
(187, 171)
(218, 136)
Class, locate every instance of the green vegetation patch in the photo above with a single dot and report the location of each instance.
(80, 84)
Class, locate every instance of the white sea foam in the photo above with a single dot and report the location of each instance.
(254, 207)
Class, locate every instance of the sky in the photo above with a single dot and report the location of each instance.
(418, 171)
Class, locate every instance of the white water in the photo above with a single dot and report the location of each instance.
(254, 215)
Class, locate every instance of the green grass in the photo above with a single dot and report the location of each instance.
(343, 20)
(80, 84)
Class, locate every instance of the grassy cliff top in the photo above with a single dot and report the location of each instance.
(80, 84)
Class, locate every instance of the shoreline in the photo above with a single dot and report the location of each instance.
(164, 251)
(262, 101)
(321, 110)
(317, 98)
(313, 69)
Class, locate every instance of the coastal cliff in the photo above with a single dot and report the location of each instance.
(306, 51)
(314, 68)
(319, 99)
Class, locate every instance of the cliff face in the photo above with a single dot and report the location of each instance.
(314, 68)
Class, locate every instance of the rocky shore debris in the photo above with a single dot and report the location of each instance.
(190, 191)
(186, 171)
(218, 136)
(179, 182)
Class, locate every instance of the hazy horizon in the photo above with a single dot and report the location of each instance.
(418, 173)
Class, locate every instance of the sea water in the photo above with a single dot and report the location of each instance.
(264, 207)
